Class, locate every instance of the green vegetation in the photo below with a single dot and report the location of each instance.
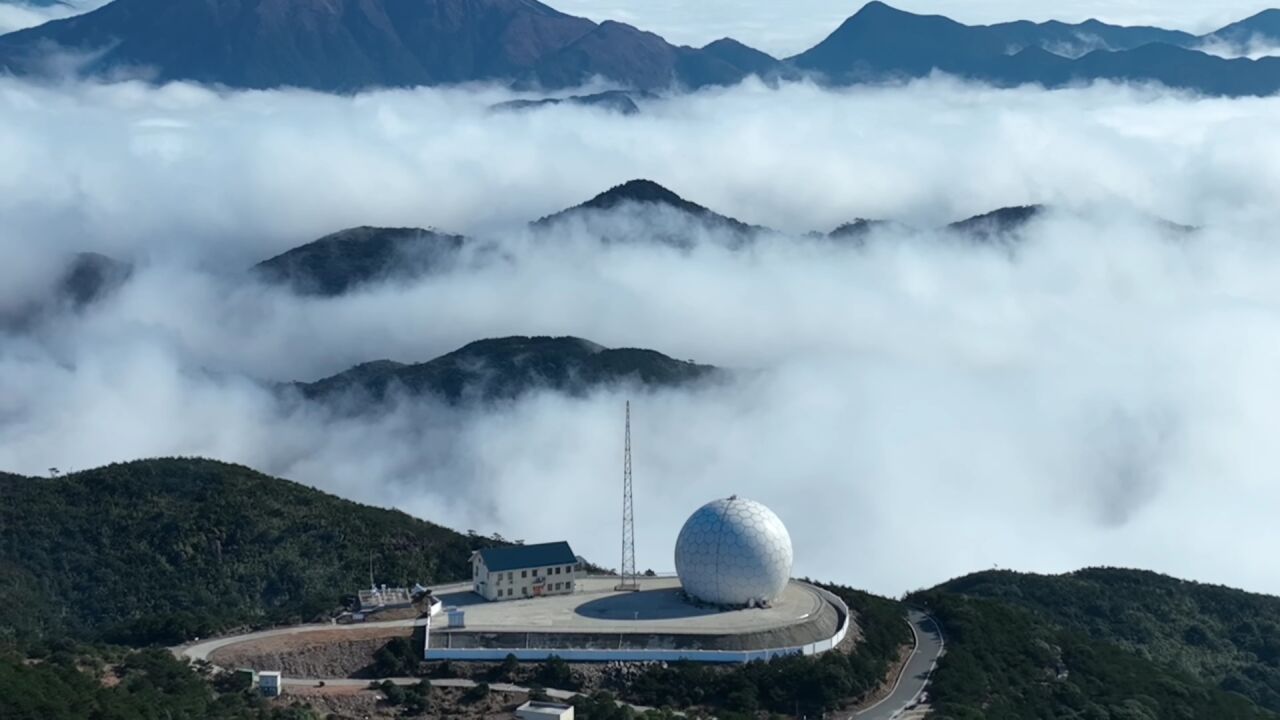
(74, 683)
(160, 551)
(808, 685)
(555, 672)
(400, 657)
(412, 699)
(476, 693)
(604, 706)
(1103, 644)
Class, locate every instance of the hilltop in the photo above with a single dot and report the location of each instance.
(1104, 642)
(344, 260)
(159, 551)
(506, 368)
(642, 210)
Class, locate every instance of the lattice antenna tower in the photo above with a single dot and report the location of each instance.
(628, 570)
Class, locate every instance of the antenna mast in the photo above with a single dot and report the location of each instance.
(628, 570)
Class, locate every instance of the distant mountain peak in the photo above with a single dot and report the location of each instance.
(875, 6)
(640, 191)
(877, 10)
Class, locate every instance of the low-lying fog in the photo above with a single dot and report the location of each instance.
(1103, 391)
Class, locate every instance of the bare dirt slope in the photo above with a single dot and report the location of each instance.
(320, 654)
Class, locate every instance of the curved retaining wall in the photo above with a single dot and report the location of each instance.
(651, 655)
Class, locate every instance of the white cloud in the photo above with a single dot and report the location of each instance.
(1255, 47)
(919, 409)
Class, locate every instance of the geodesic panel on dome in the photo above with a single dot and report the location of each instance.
(733, 551)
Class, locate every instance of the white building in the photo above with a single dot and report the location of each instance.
(524, 571)
(269, 683)
(537, 710)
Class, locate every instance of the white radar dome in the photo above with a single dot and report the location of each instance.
(733, 551)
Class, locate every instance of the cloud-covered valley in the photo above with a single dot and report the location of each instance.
(1099, 390)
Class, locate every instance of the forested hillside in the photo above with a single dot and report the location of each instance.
(1104, 643)
(158, 551)
(79, 683)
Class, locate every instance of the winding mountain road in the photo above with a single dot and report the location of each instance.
(908, 690)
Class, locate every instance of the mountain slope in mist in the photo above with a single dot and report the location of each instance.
(1075, 39)
(92, 276)
(617, 101)
(643, 210)
(165, 550)
(347, 45)
(997, 223)
(1261, 28)
(638, 210)
(506, 368)
(85, 278)
(882, 43)
(344, 260)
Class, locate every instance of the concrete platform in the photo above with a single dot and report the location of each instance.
(659, 607)
(654, 623)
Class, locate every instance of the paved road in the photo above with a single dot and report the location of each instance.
(907, 691)
(915, 675)
(201, 649)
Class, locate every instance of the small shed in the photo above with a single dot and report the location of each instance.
(543, 710)
(270, 683)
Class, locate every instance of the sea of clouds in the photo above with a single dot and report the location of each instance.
(1103, 390)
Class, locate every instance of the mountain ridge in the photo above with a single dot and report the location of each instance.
(353, 45)
(502, 369)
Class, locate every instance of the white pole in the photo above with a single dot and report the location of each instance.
(426, 636)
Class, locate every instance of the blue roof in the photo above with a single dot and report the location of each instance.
(516, 557)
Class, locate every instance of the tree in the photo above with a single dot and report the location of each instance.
(506, 672)
(554, 672)
(476, 693)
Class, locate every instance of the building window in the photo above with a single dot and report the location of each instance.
(524, 573)
(557, 571)
(509, 576)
